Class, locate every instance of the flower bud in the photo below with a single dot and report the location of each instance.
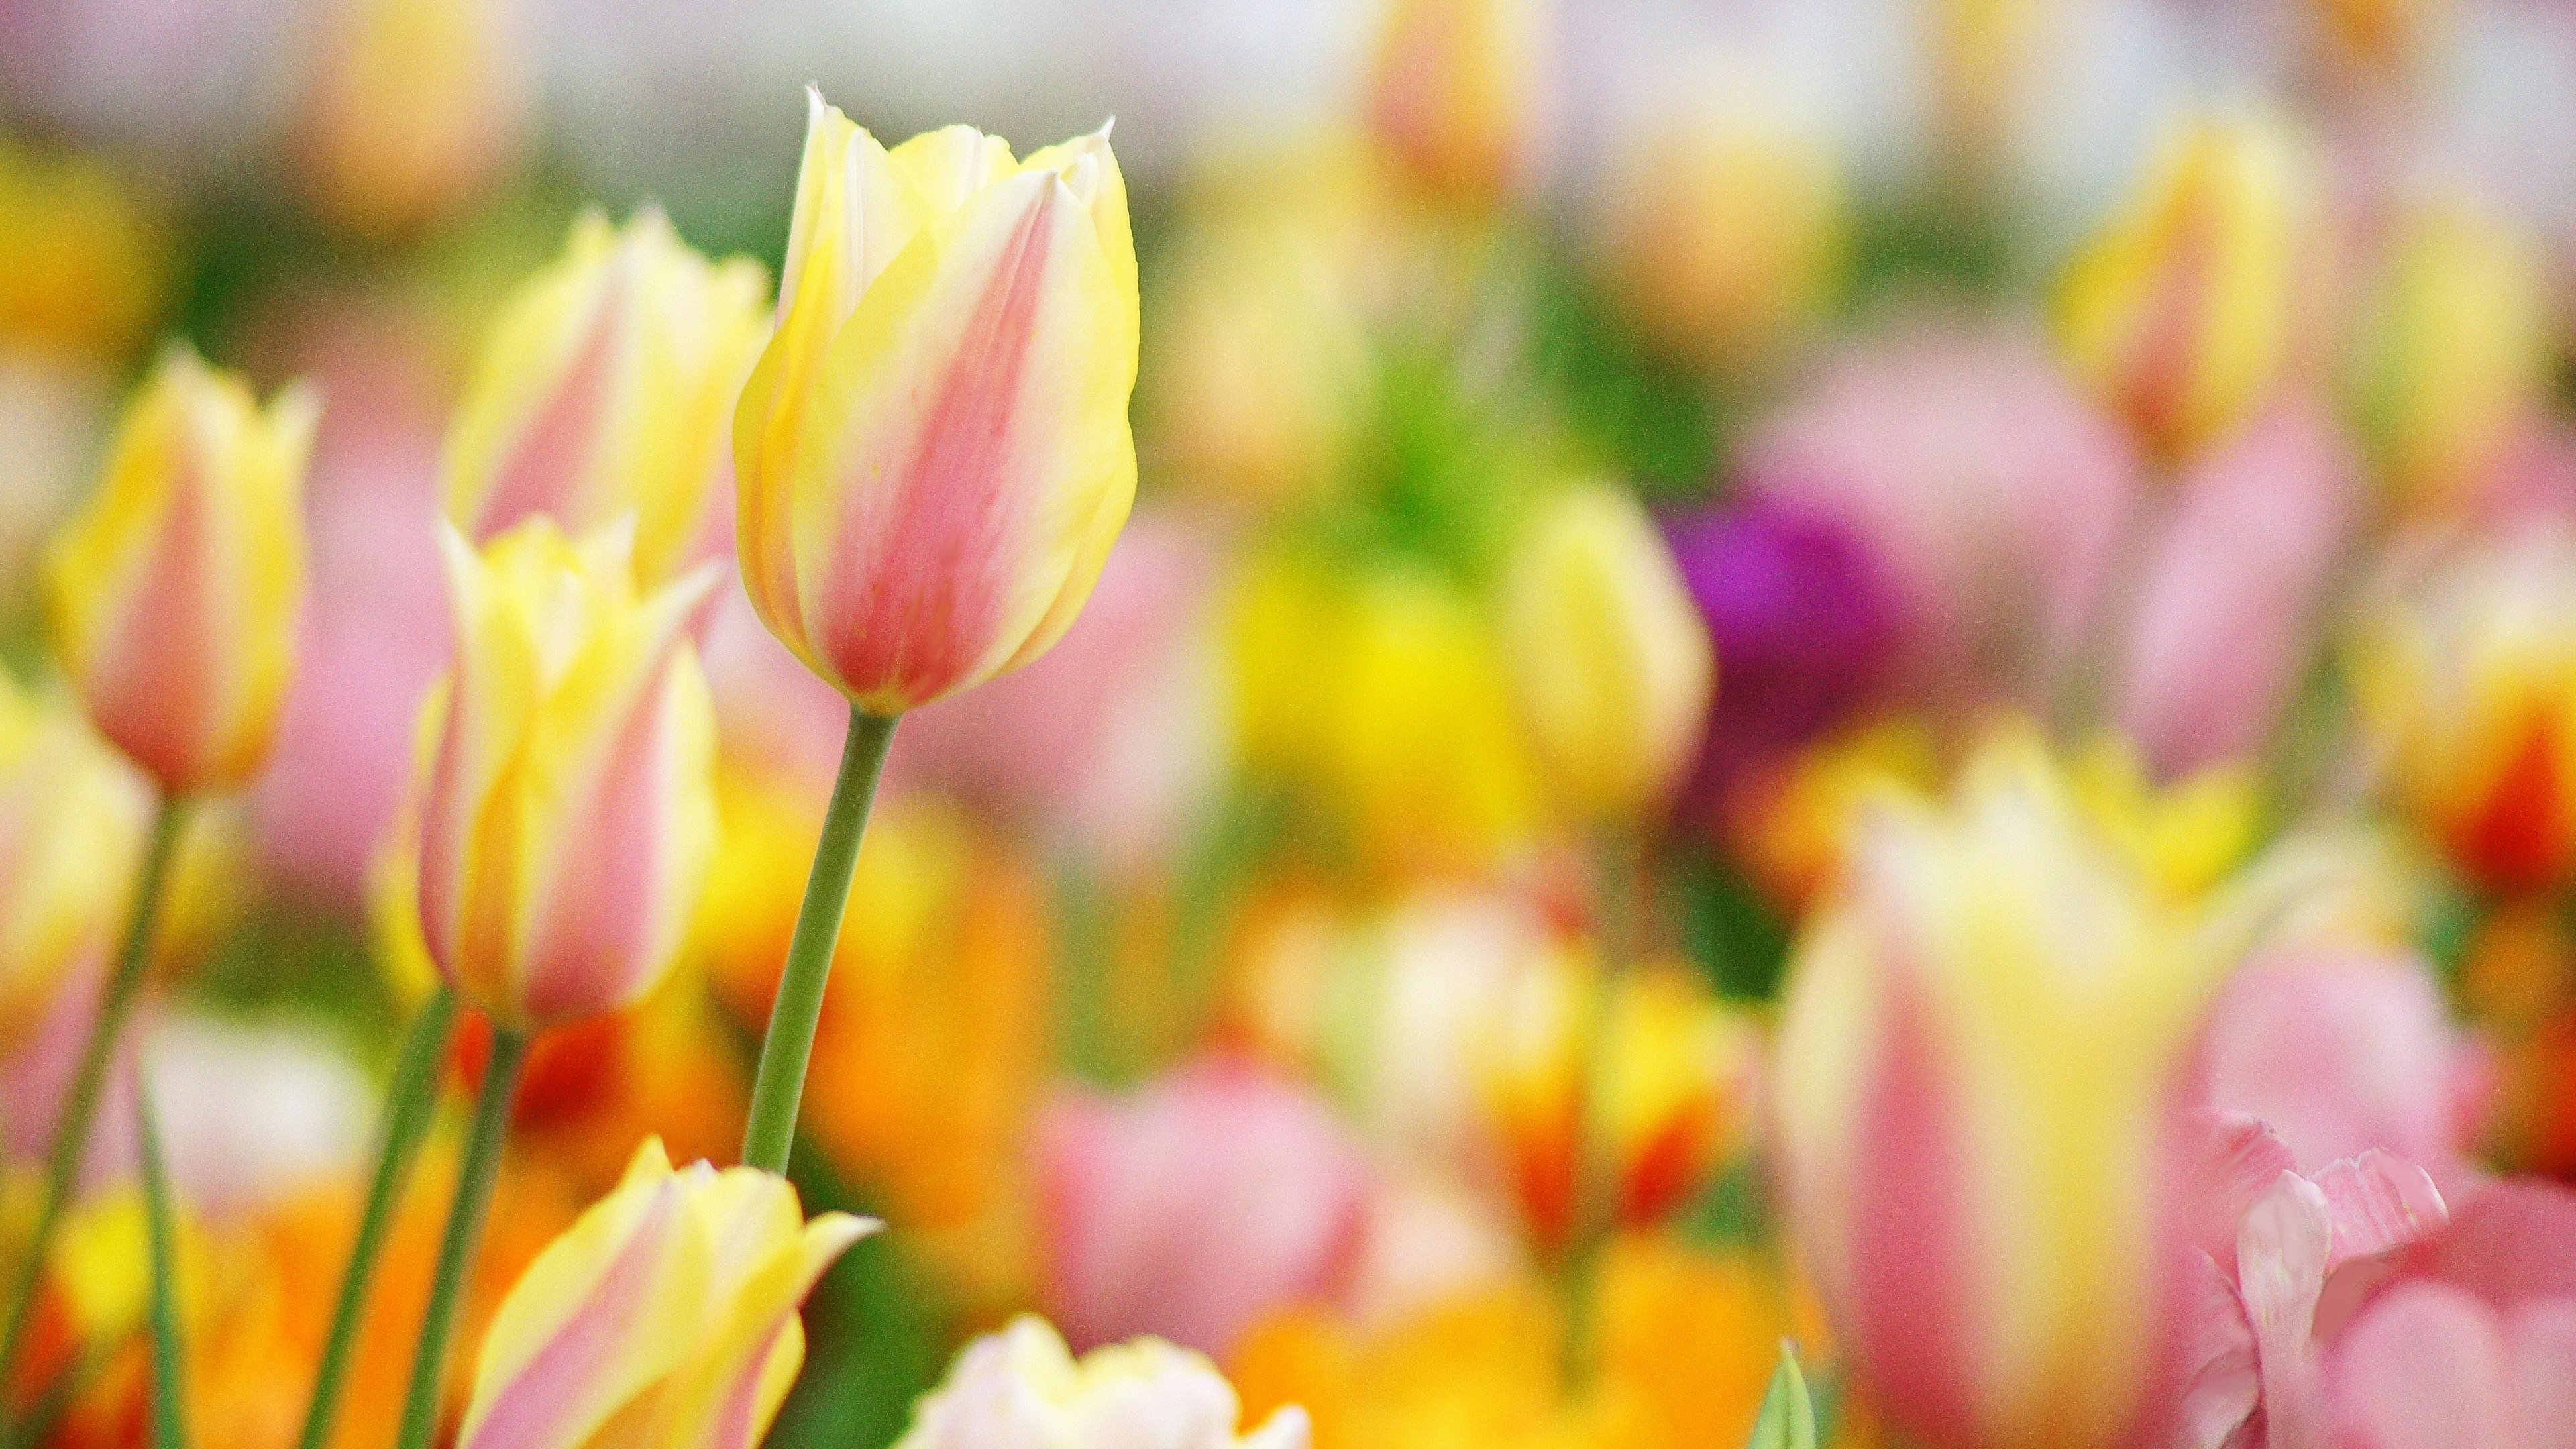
(566, 778)
(933, 455)
(175, 592)
(1022, 1389)
(1456, 94)
(417, 108)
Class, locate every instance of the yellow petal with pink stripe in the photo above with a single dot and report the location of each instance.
(664, 1318)
(933, 454)
(566, 794)
(175, 595)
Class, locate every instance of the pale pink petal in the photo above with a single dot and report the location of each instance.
(2424, 1368)
(2377, 1203)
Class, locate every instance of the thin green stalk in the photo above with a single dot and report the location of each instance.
(780, 1085)
(408, 1100)
(169, 1408)
(474, 1179)
(89, 1079)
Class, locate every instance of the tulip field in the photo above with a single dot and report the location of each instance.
(1433, 724)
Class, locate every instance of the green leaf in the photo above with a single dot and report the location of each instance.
(1788, 1417)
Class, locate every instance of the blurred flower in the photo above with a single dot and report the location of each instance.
(2384, 34)
(2466, 677)
(933, 452)
(1021, 1389)
(53, 414)
(1724, 233)
(666, 1315)
(418, 108)
(175, 591)
(1611, 663)
(2454, 355)
(1985, 494)
(1790, 824)
(1457, 92)
(2181, 311)
(1979, 1077)
(565, 778)
(606, 388)
(85, 261)
(72, 817)
(2244, 556)
(1982, 55)
(254, 1115)
(1212, 1197)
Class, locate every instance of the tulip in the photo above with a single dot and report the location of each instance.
(1456, 92)
(664, 1316)
(1213, 1197)
(1022, 1389)
(2181, 311)
(932, 453)
(2466, 679)
(72, 819)
(1979, 1084)
(85, 259)
(565, 778)
(607, 388)
(417, 107)
(175, 592)
(1611, 661)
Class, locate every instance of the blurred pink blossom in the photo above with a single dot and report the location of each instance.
(1215, 1194)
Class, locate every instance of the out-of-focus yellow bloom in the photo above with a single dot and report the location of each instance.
(933, 454)
(565, 784)
(418, 108)
(175, 592)
(665, 1316)
(1457, 94)
(1725, 234)
(1978, 1074)
(1791, 824)
(2456, 351)
(1022, 1388)
(2182, 310)
(2182, 839)
(72, 818)
(1609, 656)
(84, 263)
(607, 388)
(2467, 680)
(2383, 34)
(1981, 55)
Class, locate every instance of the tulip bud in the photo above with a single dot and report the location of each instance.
(1610, 659)
(1456, 93)
(663, 1318)
(175, 592)
(2181, 311)
(417, 108)
(933, 455)
(566, 778)
(1980, 1090)
(1022, 1389)
(84, 259)
(607, 388)
(71, 833)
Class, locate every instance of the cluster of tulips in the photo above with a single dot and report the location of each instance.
(1696, 810)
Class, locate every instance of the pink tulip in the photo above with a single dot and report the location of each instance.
(1194, 1207)
(2243, 558)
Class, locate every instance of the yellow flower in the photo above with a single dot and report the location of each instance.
(606, 388)
(1609, 656)
(72, 817)
(1021, 1389)
(565, 787)
(84, 262)
(1456, 91)
(417, 108)
(933, 453)
(665, 1316)
(175, 592)
(2181, 312)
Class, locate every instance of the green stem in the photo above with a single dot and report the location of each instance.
(780, 1084)
(89, 1079)
(169, 1410)
(409, 1098)
(474, 1180)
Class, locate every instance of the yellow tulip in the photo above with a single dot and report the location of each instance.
(1022, 1389)
(84, 259)
(607, 388)
(417, 108)
(2181, 312)
(566, 777)
(175, 592)
(1457, 91)
(72, 818)
(1609, 656)
(933, 453)
(663, 1318)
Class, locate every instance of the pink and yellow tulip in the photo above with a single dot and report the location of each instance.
(933, 454)
(1457, 93)
(1022, 1389)
(176, 592)
(72, 818)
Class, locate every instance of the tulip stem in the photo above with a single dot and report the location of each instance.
(780, 1084)
(474, 1180)
(408, 1100)
(169, 1422)
(89, 1079)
